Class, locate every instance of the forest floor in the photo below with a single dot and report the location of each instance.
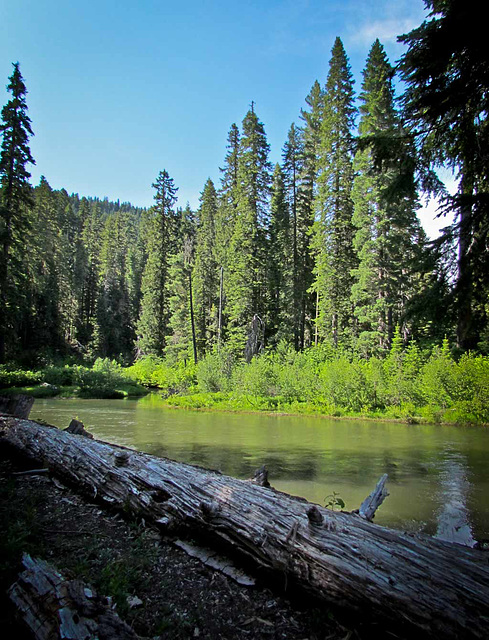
(177, 595)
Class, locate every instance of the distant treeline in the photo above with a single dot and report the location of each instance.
(324, 248)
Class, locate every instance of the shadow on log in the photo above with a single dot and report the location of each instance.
(412, 583)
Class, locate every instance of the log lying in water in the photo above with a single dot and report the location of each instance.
(410, 582)
(54, 606)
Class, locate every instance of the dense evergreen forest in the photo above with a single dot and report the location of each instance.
(323, 248)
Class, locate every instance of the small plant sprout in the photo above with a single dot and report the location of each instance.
(334, 501)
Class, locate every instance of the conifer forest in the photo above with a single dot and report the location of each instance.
(324, 250)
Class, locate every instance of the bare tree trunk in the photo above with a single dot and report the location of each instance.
(219, 326)
(192, 320)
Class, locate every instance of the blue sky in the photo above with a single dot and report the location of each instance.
(121, 90)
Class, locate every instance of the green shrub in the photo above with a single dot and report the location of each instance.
(437, 378)
(102, 379)
(155, 372)
(58, 376)
(214, 372)
(258, 378)
(18, 378)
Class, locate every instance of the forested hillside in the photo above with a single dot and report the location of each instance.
(324, 247)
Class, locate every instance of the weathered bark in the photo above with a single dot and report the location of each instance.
(18, 405)
(56, 608)
(404, 580)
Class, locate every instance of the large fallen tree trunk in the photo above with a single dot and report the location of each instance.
(413, 582)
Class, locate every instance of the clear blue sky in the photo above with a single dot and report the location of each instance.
(121, 90)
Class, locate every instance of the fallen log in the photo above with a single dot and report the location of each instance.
(407, 581)
(56, 607)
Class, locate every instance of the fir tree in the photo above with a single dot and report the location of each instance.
(114, 331)
(246, 285)
(281, 312)
(92, 230)
(447, 105)
(153, 325)
(206, 271)
(15, 200)
(387, 229)
(333, 230)
(299, 178)
(181, 338)
(43, 323)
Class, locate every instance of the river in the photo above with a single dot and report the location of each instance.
(438, 475)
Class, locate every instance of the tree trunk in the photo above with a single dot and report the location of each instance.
(409, 582)
(192, 320)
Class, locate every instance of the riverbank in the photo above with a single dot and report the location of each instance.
(229, 403)
(179, 596)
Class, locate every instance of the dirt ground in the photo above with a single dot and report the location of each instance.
(177, 596)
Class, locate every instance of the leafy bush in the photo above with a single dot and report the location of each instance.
(437, 378)
(18, 378)
(215, 371)
(103, 380)
(258, 378)
(58, 376)
(155, 372)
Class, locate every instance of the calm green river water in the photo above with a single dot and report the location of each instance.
(438, 476)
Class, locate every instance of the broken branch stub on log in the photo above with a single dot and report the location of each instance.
(372, 502)
(412, 582)
(260, 476)
(78, 428)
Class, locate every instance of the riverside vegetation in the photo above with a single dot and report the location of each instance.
(409, 383)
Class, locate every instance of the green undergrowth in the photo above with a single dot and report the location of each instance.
(105, 379)
(406, 384)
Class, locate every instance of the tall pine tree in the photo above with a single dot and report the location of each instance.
(246, 285)
(15, 202)
(153, 325)
(281, 315)
(333, 230)
(387, 228)
(447, 104)
(206, 271)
